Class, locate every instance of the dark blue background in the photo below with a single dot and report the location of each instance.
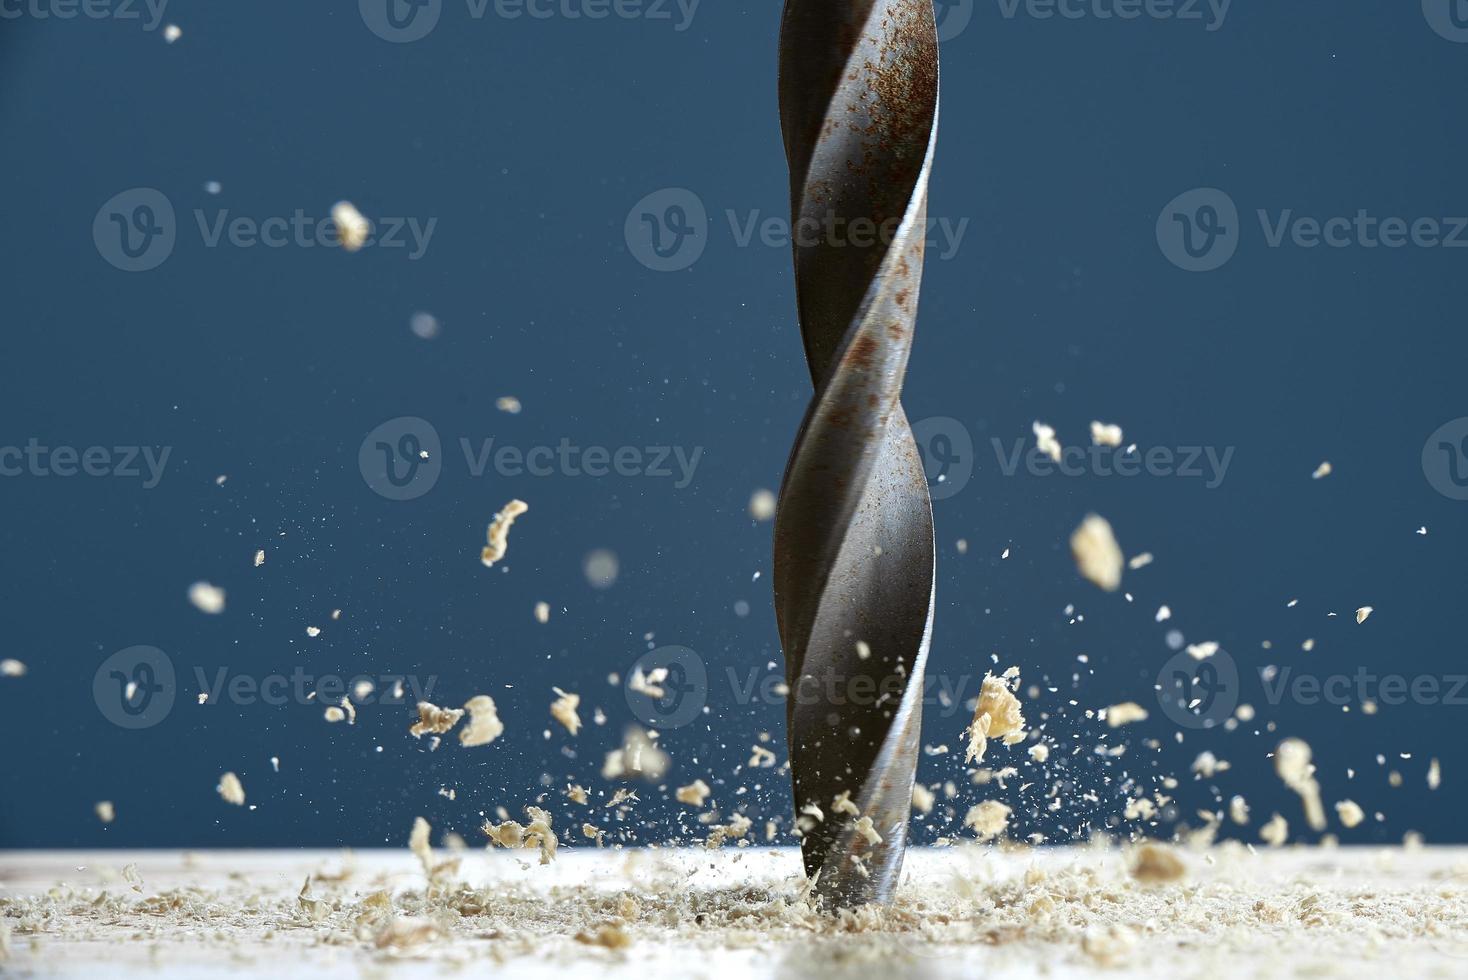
(529, 141)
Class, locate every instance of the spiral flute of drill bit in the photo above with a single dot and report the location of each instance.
(853, 571)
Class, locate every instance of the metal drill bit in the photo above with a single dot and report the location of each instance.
(853, 568)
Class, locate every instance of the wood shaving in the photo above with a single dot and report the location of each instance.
(1293, 765)
(1322, 471)
(922, 798)
(694, 794)
(105, 811)
(484, 724)
(1140, 561)
(988, 819)
(10, 667)
(1105, 435)
(844, 804)
(438, 873)
(1434, 775)
(508, 404)
(433, 720)
(1097, 555)
(498, 535)
(1045, 440)
(762, 505)
(230, 789)
(867, 831)
(1349, 813)
(998, 714)
(542, 612)
(352, 228)
(537, 834)
(259, 557)
(1202, 651)
(406, 932)
(1125, 714)
(1109, 945)
(638, 758)
(608, 934)
(563, 710)
(1156, 864)
(761, 758)
(1276, 832)
(1363, 614)
(649, 683)
(207, 598)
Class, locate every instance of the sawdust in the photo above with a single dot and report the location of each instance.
(497, 538)
(484, 725)
(998, 714)
(1097, 555)
(1071, 912)
(433, 720)
(231, 790)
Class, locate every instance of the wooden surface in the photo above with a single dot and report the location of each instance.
(734, 913)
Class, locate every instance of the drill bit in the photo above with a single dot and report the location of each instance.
(853, 562)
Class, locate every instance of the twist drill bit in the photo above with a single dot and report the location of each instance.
(853, 559)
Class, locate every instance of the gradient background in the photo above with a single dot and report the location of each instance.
(530, 141)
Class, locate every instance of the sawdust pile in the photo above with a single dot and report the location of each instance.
(1073, 910)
